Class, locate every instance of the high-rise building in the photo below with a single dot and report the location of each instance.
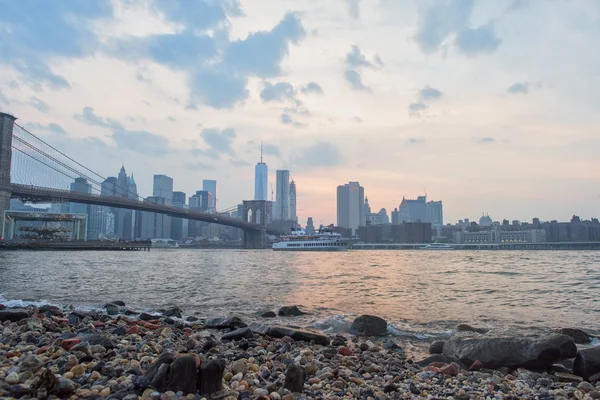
(411, 211)
(163, 187)
(261, 176)
(310, 227)
(293, 215)
(210, 186)
(435, 214)
(282, 200)
(80, 185)
(153, 225)
(124, 187)
(201, 200)
(350, 206)
(179, 226)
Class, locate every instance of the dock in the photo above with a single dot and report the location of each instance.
(72, 245)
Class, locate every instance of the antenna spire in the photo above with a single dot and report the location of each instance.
(261, 152)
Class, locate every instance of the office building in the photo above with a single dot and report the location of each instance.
(163, 187)
(293, 215)
(179, 226)
(80, 185)
(282, 199)
(310, 227)
(350, 206)
(202, 200)
(261, 176)
(152, 225)
(210, 186)
(434, 213)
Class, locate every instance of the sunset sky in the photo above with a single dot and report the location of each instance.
(491, 106)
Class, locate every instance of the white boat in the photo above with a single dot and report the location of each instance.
(437, 246)
(164, 243)
(324, 240)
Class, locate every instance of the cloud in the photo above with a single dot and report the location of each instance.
(51, 127)
(445, 22)
(429, 93)
(312, 87)
(219, 140)
(288, 120)
(353, 8)
(199, 166)
(89, 117)
(415, 140)
(357, 119)
(211, 153)
(142, 142)
(415, 109)
(356, 60)
(473, 41)
(33, 32)
(355, 80)
(260, 53)
(271, 149)
(280, 91)
(204, 14)
(519, 87)
(39, 104)
(321, 154)
(219, 88)
(239, 163)
(486, 140)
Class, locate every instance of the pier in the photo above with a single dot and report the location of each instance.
(71, 245)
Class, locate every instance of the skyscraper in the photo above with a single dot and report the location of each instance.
(282, 205)
(350, 206)
(434, 213)
(179, 226)
(163, 187)
(80, 185)
(293, 215)
(210, 186)
(261, 176)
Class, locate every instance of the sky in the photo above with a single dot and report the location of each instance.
(490, 106)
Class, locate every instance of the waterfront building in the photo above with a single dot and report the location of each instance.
(179, 226)
(497, 235)
(485, 221)
(210, 185)
(434, 213)
(310, 227)
(261, 176)
(350, 206)
(282, 203)
(293, 215)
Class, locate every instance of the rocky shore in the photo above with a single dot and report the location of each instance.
(48, 352)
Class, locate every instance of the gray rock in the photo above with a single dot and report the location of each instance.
(225, 323)
(210, 376)
(294, 379)
(578, 335)
(440, 358)
(289, 311)
(161, 378)
(13, 315)
(511, 352)
(437, 347)
(163, 358)
(369, 325)
(469, 328)
(31, 363)
(173, 312)
(587, 363)
(183, 375)
(51, 310)
(119, 303)
(65, 386)
(268, 314)
(238, 334)
(111, 309)
(296, 333)
(96, 339)
(148, 317)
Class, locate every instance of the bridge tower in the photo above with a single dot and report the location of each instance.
(6, 134)
(257, 210)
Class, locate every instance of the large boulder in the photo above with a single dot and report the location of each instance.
(96, 339)
(183, 375)
(238, 334)
(289, 311)
(13, 315)
(437, 347)
(511, 352)
(587, 363)
(578, 335)
(225, 323)
(369, 325)
(295, 332)
(210, 376)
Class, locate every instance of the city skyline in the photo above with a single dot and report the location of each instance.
(374, 93)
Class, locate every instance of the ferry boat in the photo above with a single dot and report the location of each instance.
(323, 240)
(164, 243)
(437, 246)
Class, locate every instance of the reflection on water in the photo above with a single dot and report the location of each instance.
(541, 288)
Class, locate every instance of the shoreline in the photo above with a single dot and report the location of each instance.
(57, 353)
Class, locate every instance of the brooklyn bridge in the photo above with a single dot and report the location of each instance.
(24, 155)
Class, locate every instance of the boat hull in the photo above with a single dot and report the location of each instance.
(311, 249)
